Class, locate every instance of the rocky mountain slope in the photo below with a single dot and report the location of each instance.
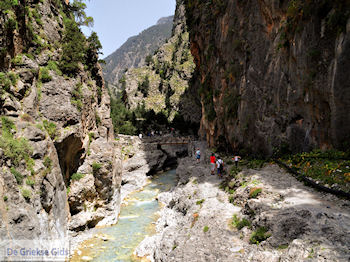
(163, 84)
(273, 74)
(134, 51)
(59, 167)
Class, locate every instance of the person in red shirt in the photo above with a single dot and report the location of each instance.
(212, 163)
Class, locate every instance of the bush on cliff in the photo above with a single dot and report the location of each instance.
(73, 49)
(16, 149)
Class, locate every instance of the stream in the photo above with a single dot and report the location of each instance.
(136, 221)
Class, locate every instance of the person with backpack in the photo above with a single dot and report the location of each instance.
(220, 166)
(212, 163)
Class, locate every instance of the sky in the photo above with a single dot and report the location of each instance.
(117, 20)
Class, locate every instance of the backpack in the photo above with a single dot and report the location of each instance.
(220, 164)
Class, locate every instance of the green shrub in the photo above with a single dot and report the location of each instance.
(77, 96)
(200, 202)
(231, 199)
(99, 94)
(239, 224)
(39, 85)
(44, 75)
(283, 246)
(77, 176)
(27, 194)
(53, 65)
(98, 119)
(5, 198)
(259, 235)
(30, 165)
(254, 192)
(205, 229)
(91, 137)
(14, 149)
(7, 4)
(18, 176)
(47, 162)
(13, 77)
(7, 125)
(51, 129)
(5, 81)
(30, 182)
(96, 167)
(144, 86)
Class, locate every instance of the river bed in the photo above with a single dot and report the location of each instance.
(136, 221)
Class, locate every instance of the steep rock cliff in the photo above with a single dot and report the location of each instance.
(56, 131)
(163, 85)
(273, 74)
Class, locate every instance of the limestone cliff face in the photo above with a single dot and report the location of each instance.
(59, 167)
(163, 85)
(273, 74)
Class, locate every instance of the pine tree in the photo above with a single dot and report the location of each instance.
(73, 48)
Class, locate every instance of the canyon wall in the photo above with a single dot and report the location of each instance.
(273, 75)
(163, 84)
(59, 167)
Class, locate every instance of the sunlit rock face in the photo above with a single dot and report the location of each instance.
(59, 166)
(164, 84)
(273, 74)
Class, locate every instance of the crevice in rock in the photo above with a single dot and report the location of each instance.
(69, 152)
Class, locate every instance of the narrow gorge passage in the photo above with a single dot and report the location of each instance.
(137, 218)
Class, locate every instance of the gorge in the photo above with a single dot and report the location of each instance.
(266, 80)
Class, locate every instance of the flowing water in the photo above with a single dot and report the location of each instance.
(136, 221)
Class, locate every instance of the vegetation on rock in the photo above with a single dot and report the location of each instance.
(141, 46)
(77, 176)
(156, 96)
(239, 224)
(260, 235)
(330, 168)
(16, 149)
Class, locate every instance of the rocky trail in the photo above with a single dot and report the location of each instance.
(298, 223)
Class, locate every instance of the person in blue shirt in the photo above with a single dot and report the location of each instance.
(198, 155)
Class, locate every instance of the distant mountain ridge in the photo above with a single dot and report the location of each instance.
(165, 20)
(134, 51)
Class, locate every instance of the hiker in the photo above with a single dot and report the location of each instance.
(212, 163)
(198, 155)
(220, 166)
(236, 159)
